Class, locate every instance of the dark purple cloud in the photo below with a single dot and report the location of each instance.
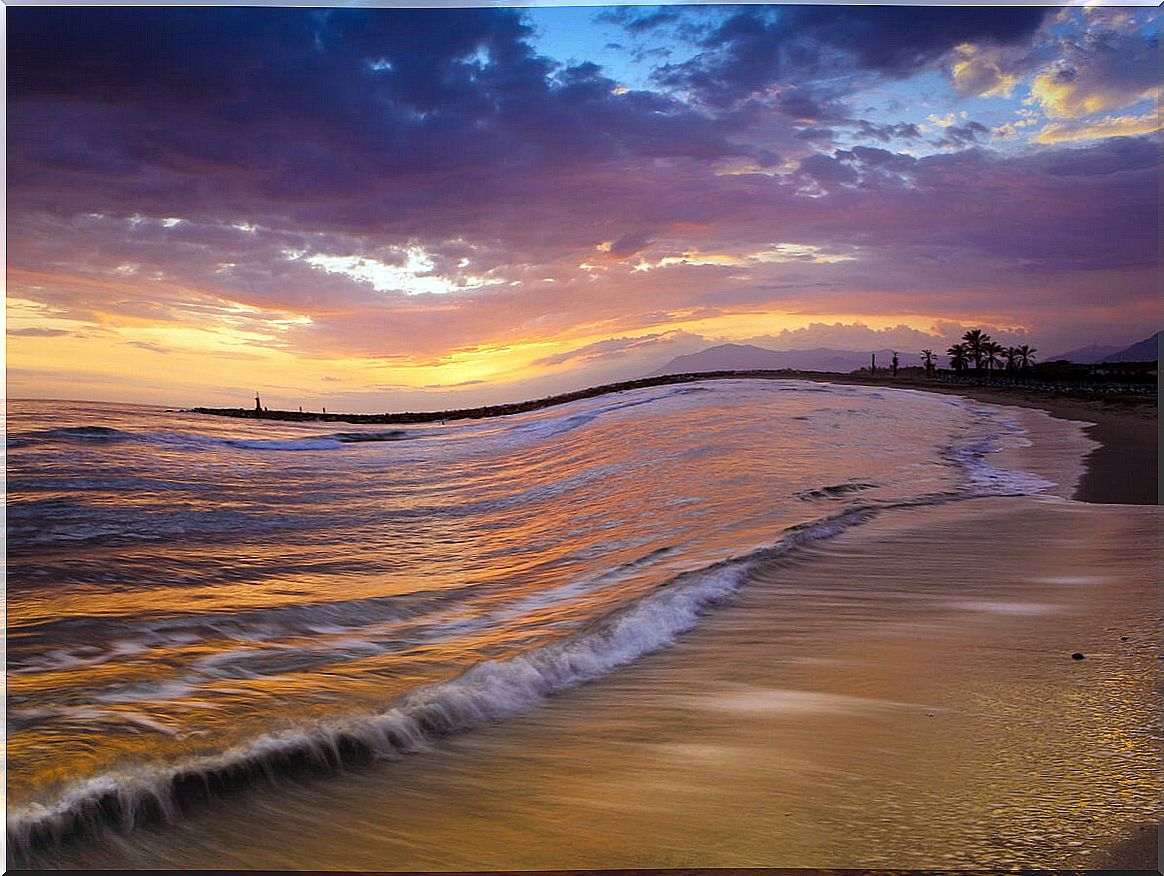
(828, 171)
(961, 136)
(637, 21)
(759, 46)
(885, 133)
(629, 244)
(1118, 155)
(356, 118)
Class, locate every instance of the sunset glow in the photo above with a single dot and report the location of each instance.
(387, 209)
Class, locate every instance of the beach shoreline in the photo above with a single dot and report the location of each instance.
(849, 709)
(901, 696)
(1122, 469)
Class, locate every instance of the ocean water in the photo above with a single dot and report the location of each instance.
(200, 605)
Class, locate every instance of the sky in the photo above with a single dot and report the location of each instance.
(406, 209)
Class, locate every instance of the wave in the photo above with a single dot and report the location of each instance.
(109, 435)
(490, 691)
(556, 425)
(540, 428)
(487, 692)
(362, 437)
(119, 633)
(87, 434)
(984, 478)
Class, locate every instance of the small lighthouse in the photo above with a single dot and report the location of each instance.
(258, 405)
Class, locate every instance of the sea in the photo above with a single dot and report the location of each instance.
(201, 608)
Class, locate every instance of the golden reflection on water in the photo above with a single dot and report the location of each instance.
(817, 723)
(847, 711)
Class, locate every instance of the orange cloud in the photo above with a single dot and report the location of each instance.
(1112, 126)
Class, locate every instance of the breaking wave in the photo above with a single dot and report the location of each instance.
(490, 691)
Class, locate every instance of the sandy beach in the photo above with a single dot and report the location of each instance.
(902, 696)
(1122, 469)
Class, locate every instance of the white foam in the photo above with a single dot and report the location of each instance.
(989, 480)
(487, 692)
(1015, 608)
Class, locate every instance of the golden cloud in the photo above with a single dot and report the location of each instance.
(1117, 126)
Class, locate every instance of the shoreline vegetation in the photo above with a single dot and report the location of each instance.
(1122, 469)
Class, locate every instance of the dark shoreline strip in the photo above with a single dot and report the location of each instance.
(961, 386)
(486, 411)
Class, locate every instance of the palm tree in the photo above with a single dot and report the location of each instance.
(975, 338)
(1011, 354)
(928, 359)
(990, 351)
(1025, 356)
(959, 357)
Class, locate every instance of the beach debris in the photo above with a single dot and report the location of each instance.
(1076, 656)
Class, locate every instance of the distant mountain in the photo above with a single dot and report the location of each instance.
(746, 357)
(1088, 355)
(1147, 350)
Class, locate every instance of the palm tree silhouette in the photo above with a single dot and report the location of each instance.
(990, 351)
(928, 360)
(1025, 356)
(975, 339)
(1011, 354)
(959, 357)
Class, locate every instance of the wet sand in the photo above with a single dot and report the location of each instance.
(1124, 466)
(902, 696)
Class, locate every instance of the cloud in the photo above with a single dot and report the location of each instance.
(234, 112)
(827, 171)
(1111, 126)
(636, 21)
(885, 133)
(408, 198)
(1122, 156)
(37, 333)
(849, 336)
(864, 166)
(151, 347)
(756, 47)
(612, 348)
(629, 244)
(454, 385)
(986, 70)
(960, 136)
(1100, 72)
